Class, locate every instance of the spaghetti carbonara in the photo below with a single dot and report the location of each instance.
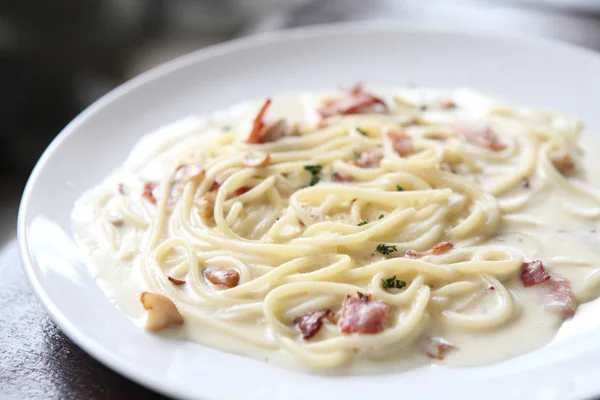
(353, 228)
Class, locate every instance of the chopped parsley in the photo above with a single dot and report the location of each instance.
(362, 131)
(392, 283)
(356, 155)
(366, 221)
(399, 188)
(385, 249)
(423, 108)
(381, 216)
(315, 170)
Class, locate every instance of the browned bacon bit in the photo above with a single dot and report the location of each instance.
(257, 159)
(206, 205)
(333, 318)
(117, 222)
(447, 105)
(215, 186)
(227, 277)
(188, 172)
(355, 102)
(439, 248)
(341, 178)
(533, 273)
(361, 315)
(162, 313)
(149, 192)
(442, 247)
(560, 296)
(402, 143)
(301, 223)
(256, 134)
(240, 191)
(369, 159)
(278, 129)
(436, 347)
(176, 282)
(480, 135)
(557, 290)
(562, 161)
(491, 287)
(310, 323)
(121, 189)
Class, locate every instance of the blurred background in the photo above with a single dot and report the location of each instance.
(57, 57)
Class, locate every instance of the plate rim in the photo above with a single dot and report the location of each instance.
(69, 328)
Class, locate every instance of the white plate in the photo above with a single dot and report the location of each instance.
(532, 72)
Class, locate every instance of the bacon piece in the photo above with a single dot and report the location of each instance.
(402, 143)
(162, 313)
(215, 186)
(278, 129)
(239, 191)
(183, 174)
(206, 205)
(256, 159)
(149, 192)
(436, 347)
(361, 315)
(562, 161)
(480, 135)
(341, 178)
(533, 273)
(310, 323)
(117, 222)
(256, 134)
(447, 104)
(121, 189)
(439, 248)
(263, 132)
(559, 296)
(227, 277)
(557, 290)
(189, 172)
(355, 102)
(176, 282)
(369, 159)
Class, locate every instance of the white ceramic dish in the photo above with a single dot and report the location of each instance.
(533, 72)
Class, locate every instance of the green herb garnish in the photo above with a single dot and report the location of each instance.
(357, 155)
(381, 216)
(392, 283)
(366, 221)
(315, 170)
(423, 108)
(362, 131)
(385, 249)
(399, 188)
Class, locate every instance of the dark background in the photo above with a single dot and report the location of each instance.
(58, 56)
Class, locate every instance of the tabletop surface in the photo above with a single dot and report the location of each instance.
(37, 361)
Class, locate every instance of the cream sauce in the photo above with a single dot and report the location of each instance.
(549, 227)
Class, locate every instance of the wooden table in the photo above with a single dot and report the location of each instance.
(37, 361)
